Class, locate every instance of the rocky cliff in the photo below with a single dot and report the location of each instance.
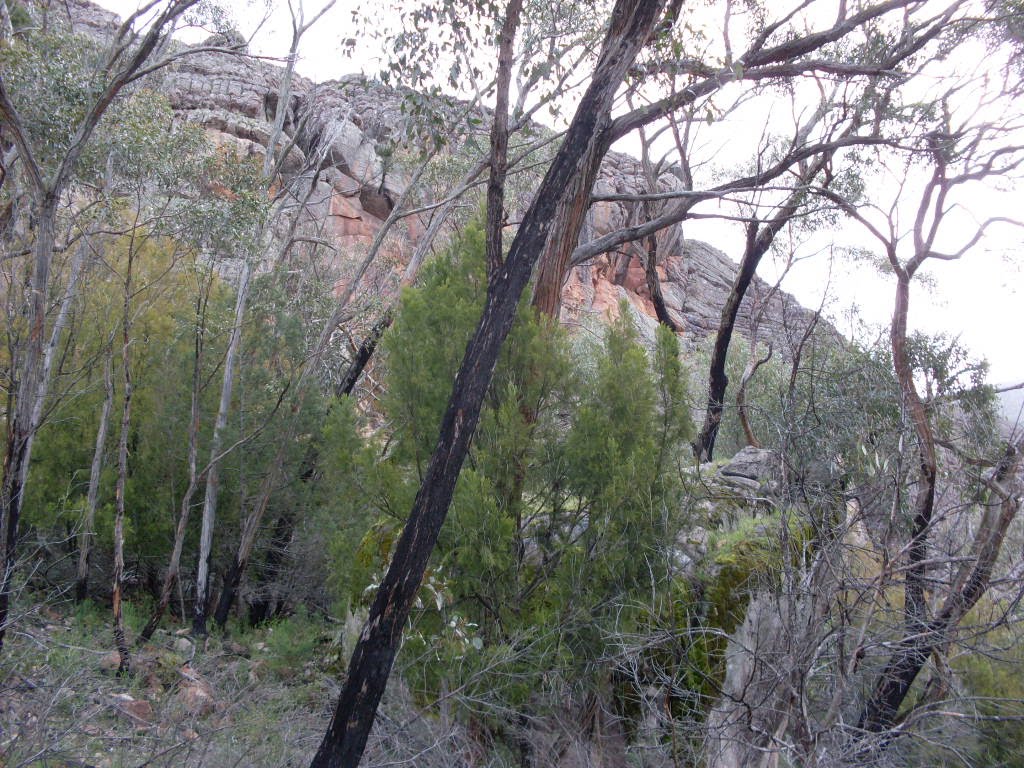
(352, 125)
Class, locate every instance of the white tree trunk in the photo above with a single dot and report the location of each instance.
(85, 535)
(213, 475)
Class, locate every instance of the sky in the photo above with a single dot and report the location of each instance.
(979, 298)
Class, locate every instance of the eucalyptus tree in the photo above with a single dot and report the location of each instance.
(836, 125)
(770, 58)
(852, 652)
(552, 225)
(965, 146)
(146, 169)
(537, 87)
(540, 49)
(48, 172)
(249, 262)
(632, 23)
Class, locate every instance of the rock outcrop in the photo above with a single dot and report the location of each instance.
(348, 128)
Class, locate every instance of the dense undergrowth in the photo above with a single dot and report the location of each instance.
(594, 594)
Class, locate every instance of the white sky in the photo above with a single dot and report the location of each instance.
(978, 298)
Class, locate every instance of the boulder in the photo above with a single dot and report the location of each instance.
(760, 465)
(195, 696)
(184, 646)
(110, 661)
(138, 712)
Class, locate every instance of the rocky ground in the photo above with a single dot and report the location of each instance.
(263, 696)
(256, 697)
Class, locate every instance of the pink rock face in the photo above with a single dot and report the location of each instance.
(597, 290)
(605, 299)
(350, 223)
(635, 279)
(346, 124)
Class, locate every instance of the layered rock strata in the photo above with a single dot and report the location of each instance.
(348, 128)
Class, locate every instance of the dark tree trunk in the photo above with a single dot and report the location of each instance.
(262, 608)
(880, 711)
(499, 140)
(919, 637)
(759, 240)
(363, 354)
(232, 579)
(583, 146)
(654, 285)
(250, 529)
(718, 380)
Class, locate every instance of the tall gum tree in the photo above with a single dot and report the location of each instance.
(631, 24)
(925, 551)
(962, 152)
(549, 232)
(131, 55)
(271, 164)
(767, 61)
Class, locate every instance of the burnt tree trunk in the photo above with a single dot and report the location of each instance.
(654, 284)
(247, 541)
(253, 520)
(584, 144)
(362, 357)
(718, 380)
(759, 240)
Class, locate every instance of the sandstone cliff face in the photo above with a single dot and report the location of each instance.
(346, 127)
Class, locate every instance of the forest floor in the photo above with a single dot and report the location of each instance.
(247, 697)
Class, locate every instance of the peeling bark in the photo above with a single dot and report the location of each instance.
(499, 140)
(124, 664)
(31, 386)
